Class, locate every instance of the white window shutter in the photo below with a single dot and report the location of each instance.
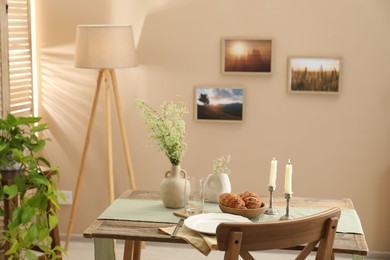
(20, 67)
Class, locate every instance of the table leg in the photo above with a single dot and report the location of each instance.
(137, 250)
(104, 249)
(132, 250)
(128, 251)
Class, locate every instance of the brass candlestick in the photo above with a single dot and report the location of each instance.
(270, 210)
(288, 196)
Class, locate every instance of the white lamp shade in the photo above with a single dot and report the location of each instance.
(105, 47)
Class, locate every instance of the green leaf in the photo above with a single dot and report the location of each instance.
(38, 128)
(61, 195)
(43, 233)
(54, 200)
(14, 248)
(32, 232)
(45, 161)
(30, 255)
(39, 179)
(15, 221)
(36, 200)
(53, 221)
(11, 119)
(39, 146)
(26, 120)
(43, 203)
(28, 214)
(3, 146)
(20, 181)
(12, 191)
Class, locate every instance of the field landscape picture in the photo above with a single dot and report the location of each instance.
(224, 104)
(315, 74)
(248, 56)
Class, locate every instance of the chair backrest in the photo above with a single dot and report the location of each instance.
(239, 238)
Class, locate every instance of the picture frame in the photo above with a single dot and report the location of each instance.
(219, 103)
(246, 56)
(314, 75)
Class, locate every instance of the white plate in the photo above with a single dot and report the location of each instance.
(207, 222)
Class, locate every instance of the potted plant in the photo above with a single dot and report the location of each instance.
(218, 182)
(31, 223)
(167, 133)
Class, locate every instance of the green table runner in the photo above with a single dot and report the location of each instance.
(154, 211)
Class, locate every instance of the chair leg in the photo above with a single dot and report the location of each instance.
(325, 248)
(306, 250)
(234, 246)
(246, 256)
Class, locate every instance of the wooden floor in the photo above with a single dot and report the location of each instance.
(83, 250)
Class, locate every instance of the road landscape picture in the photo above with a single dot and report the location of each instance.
(219, 104)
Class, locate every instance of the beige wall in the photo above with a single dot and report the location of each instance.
(339, 144)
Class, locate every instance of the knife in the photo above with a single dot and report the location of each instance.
(179, 224)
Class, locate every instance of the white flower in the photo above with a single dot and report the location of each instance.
(167, 128)
(220, 165)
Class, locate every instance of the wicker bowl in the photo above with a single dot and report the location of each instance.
(248, 213)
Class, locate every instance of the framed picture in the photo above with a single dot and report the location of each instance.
(314, 75)
(219, 104)
(246, 56)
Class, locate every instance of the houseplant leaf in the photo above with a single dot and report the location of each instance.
(28, 214)
(53, 221)
(13, 249)
(11, 191)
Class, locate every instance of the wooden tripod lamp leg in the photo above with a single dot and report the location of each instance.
(136, 246)
(123, 130)
(107, 109)
(84, 154)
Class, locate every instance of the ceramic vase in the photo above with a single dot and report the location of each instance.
(215, 185)
(172, 187)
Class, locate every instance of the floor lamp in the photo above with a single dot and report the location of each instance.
(104, 47)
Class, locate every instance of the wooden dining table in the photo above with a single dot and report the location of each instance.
(106, 229)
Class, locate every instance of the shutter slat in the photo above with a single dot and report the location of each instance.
(24, 90)
(21, 70)
(22, 102)
(20, 84)
(22, 96)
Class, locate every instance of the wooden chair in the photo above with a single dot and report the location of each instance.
(240, 238)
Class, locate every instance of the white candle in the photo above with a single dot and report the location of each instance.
(288, 178)
(272, 174)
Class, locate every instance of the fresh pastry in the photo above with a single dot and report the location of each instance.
(232, 200)
(251, 200)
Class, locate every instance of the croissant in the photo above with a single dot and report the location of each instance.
(232, 200)
(251, 200)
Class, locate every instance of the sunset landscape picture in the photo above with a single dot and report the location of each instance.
(247, 56)
(219, 103)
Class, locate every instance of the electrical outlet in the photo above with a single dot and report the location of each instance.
(68, 197)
